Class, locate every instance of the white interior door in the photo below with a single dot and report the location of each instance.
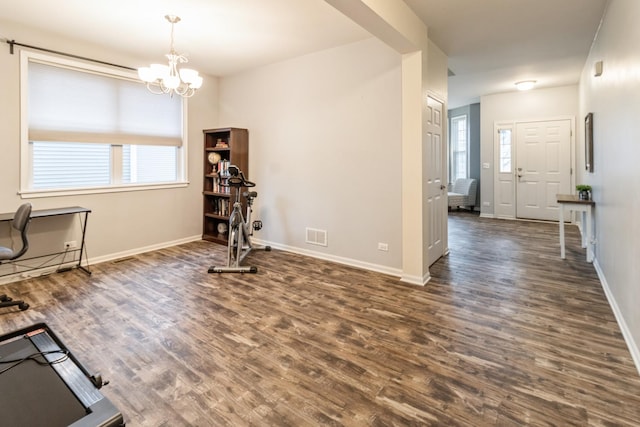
(543, 167)
(436, 159)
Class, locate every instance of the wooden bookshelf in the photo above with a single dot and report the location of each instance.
(229, 146)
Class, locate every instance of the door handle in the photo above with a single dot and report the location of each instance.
(442, 187)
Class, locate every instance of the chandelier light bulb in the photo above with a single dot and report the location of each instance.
(161, 78)
(197, 83)
(188, 75)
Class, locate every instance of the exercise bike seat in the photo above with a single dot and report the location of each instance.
(251, 194)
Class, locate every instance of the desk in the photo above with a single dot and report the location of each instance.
(73, 210)
(53, 389)
(571, 202)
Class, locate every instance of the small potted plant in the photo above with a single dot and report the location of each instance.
(584, 191)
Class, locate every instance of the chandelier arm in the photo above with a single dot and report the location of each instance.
(185, 91)
(163, 88)
(159, 91)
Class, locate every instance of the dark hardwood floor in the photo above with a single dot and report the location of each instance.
(505, 333)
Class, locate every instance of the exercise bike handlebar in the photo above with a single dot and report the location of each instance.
(237, 178)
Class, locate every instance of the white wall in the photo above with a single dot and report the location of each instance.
(614, 100)
(325, 145)
(437, 73)
(520, 106)
(120, 223)
(395, 24)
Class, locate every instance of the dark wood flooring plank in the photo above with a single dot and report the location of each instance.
(505, 333)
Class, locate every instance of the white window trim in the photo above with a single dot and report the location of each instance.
(26, 183)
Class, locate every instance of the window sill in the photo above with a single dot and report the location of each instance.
(35, 194)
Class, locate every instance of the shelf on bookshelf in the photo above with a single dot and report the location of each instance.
(217, 238)
(214, 193)
(217, 216)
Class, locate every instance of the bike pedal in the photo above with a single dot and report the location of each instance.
(257, 225)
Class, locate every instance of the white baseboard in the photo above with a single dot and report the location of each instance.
(110, 257)
(486, 215)
(416, 280)
(631, 344)
(36, 272)
(328, 257)
(141, 250)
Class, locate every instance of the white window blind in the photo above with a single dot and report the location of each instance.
(145, 164)
(88, 127)
(75, 106)
(64, 165)
(459, 148)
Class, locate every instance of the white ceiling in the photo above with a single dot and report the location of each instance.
(491, 44)
(220, 37)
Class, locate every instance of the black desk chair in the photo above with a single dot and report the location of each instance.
(20, 222)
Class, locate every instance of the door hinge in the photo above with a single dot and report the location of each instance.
(570, 171)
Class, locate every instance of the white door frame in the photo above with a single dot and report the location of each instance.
(508, 210)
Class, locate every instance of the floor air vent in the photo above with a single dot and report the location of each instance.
(316, 237)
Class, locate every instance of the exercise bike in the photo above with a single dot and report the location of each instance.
(240, 228)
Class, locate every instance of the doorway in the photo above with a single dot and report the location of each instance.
(533, 165)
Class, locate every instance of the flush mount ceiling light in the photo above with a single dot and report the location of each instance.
(526, 85)
(170, 78)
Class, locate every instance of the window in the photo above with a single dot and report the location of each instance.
(504, 136)
(459, 145)
(88, 128)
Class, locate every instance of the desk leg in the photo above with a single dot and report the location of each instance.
(561, 215)
(84, 232)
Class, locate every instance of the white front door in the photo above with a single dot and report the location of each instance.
(543, 167)
(436, 158)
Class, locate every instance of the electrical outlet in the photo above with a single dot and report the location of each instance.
(383, 247)
(71, 244)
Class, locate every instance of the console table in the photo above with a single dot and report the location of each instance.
(72, 210)
(571, 202)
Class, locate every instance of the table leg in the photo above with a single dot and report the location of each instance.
(583, 223)
(588, 236)
(561, 214)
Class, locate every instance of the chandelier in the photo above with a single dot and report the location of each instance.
(170, 78)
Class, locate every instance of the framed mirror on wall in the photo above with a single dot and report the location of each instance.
(588, 142)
